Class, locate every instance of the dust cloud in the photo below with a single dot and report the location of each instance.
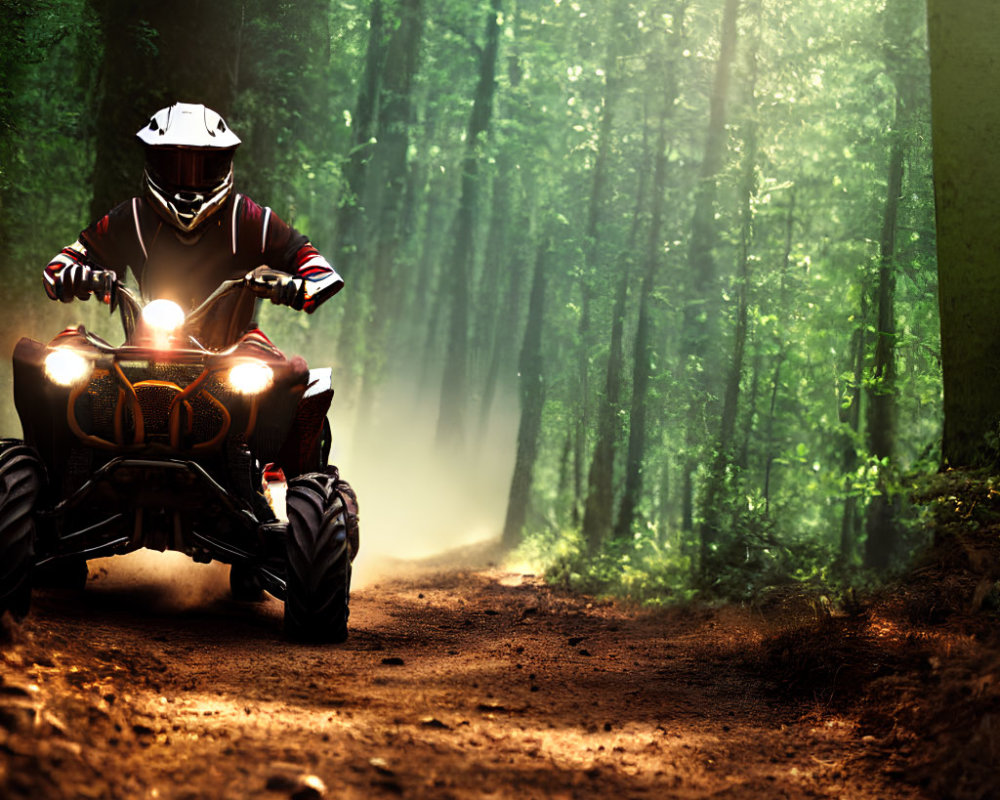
(168, 582)
(417, 502)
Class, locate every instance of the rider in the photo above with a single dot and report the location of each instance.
(189, 232)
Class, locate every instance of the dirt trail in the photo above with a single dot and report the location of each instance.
(452, 684)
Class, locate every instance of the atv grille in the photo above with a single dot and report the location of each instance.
(105, 412)
(179, 374)
(96, 412)
(154, 402)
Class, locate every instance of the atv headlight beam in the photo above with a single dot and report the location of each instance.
(66, 367)
(163, 316)
(250, 377)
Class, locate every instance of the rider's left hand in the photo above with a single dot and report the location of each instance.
(282, 288)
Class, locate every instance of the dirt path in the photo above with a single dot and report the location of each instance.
(452, 684)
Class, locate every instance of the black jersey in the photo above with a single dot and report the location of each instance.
(187, 268)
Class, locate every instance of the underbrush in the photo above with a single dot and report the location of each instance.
(641, 570)
(649, 569)
(916, 661)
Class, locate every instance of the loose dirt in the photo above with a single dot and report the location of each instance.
(453, 684)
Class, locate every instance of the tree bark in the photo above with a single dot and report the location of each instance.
(701, 309)
(880, 522)
(718, 476)
(351, 226)
(598, 517)
(851, 418)
(500, 275)
(599, 500)
(643, 348)
(454, 382)
(532, 387)
(965, 82)
(642, 360)
(390, 169)
(902, 53)
(770, 453)
(599, 509)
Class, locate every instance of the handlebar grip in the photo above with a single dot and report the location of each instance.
(264, 281)
(102, 282)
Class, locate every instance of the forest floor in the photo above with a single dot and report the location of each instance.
(479, 682)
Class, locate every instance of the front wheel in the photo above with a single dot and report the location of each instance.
(318, 560)
(20, 480)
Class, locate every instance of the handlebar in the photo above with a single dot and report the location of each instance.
(262, 281)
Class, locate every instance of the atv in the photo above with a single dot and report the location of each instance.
(164, 444)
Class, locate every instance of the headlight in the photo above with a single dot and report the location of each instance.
(163, 316)
(250, 377)
(67, 367)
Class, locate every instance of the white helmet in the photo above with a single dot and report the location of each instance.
(189, 163)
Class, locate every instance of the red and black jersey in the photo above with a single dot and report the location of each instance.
(187, 268)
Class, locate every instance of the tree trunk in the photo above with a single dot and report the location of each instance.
(532, 387)
(851, 418)
(701, 310)
(501, 352)
(770, 453)
(642, 348)
(599, 509)
(501, 273)
(600, 497)
(965, 82)
(879, 521)
(351, 218)
(389, 165)
(902, 53)
(718, 477)
(643, 356)
(598, 516)
(451, 422)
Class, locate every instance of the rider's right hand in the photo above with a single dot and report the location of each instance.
(80, 281)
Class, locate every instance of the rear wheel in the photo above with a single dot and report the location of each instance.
(318, 560)
(20, 480)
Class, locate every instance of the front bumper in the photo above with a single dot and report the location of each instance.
(163, 504)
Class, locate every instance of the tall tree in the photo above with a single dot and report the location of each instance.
(965, 82)
(390, 169)
(643, 347)
(591, 250)
(903, 26)
(723, 458)
(599, 500)
(652, 255)
(532, 389)
(700, 310)
(454, 382)
(351, 217)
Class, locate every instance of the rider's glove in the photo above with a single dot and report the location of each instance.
(80, 281)
(280, 287)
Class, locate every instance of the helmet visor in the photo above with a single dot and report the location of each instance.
(179, 169)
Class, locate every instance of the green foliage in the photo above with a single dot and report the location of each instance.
(641, 569)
